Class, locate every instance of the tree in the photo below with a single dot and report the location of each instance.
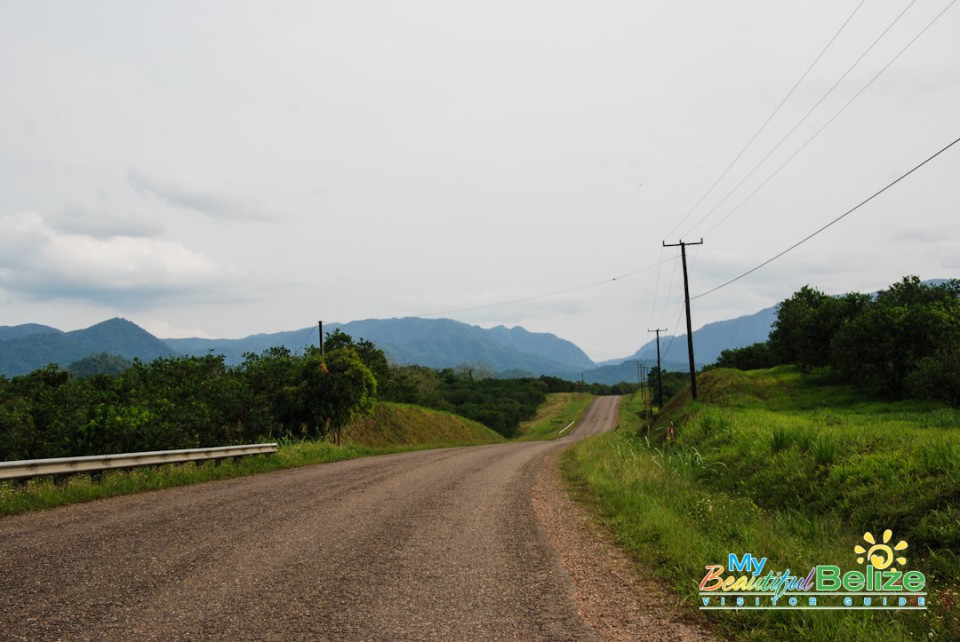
(806, 324)
(97, 364)
(346, 390)
(937, 377)
(879, 347)
(751, 357)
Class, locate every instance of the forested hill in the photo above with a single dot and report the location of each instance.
(436, 343)
(25, 350)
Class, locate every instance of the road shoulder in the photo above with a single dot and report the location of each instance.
(608, 592)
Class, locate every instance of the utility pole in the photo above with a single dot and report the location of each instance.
(686, 298)
(659, 369)
(640, 383)
(321, 338)
(643, 388)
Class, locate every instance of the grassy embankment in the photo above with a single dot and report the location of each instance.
(390, 428)
(559, 411)
(785, 467)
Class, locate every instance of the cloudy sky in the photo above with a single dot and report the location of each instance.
(225, 168)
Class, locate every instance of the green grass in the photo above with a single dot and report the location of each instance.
(401, 428)
(393, 424)
(786, 467)
(560, 409)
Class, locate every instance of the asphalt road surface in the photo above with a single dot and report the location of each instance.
(434, 545)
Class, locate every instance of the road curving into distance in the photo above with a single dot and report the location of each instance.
(431, 545)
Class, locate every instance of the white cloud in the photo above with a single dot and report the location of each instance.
(38, 260)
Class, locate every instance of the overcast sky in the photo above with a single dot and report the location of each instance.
(221, 169)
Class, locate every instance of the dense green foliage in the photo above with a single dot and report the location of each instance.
(793, 468)
(98, 364)
(905, 342)
(183, 402)
(673, 382)
(500, 404)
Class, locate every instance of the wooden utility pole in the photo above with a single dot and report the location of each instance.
(659, 369)
(321, 338)
(643, 396)
(643, 388)
(686, 298)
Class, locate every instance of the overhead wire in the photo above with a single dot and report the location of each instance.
(307, 338)
(809, 112)
(831, 119)
(656, 291)
(842, 216)
(766, 122)
(743, 150)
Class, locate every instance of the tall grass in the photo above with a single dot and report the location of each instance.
(759, 466)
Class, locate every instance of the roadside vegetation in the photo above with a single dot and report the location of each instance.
(902, 343)
(776, 464)
(859, 433)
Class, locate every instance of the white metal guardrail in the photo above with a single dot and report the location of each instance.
(98, 463)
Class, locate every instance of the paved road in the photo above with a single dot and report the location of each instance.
(437, 545)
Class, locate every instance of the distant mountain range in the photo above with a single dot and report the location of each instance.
(437, 343)
(24, 348)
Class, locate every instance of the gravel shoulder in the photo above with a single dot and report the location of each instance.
(609, 592)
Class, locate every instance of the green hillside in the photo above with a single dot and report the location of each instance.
(786, 467)
(394, 424)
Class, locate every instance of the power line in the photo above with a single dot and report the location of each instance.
(740, 154)
(845, 214)
(305, 339)
(832, 118)
(666, 302)
(656, 289)
(769, 118)
(805, 116)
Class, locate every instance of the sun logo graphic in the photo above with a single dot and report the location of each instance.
(880, 555)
